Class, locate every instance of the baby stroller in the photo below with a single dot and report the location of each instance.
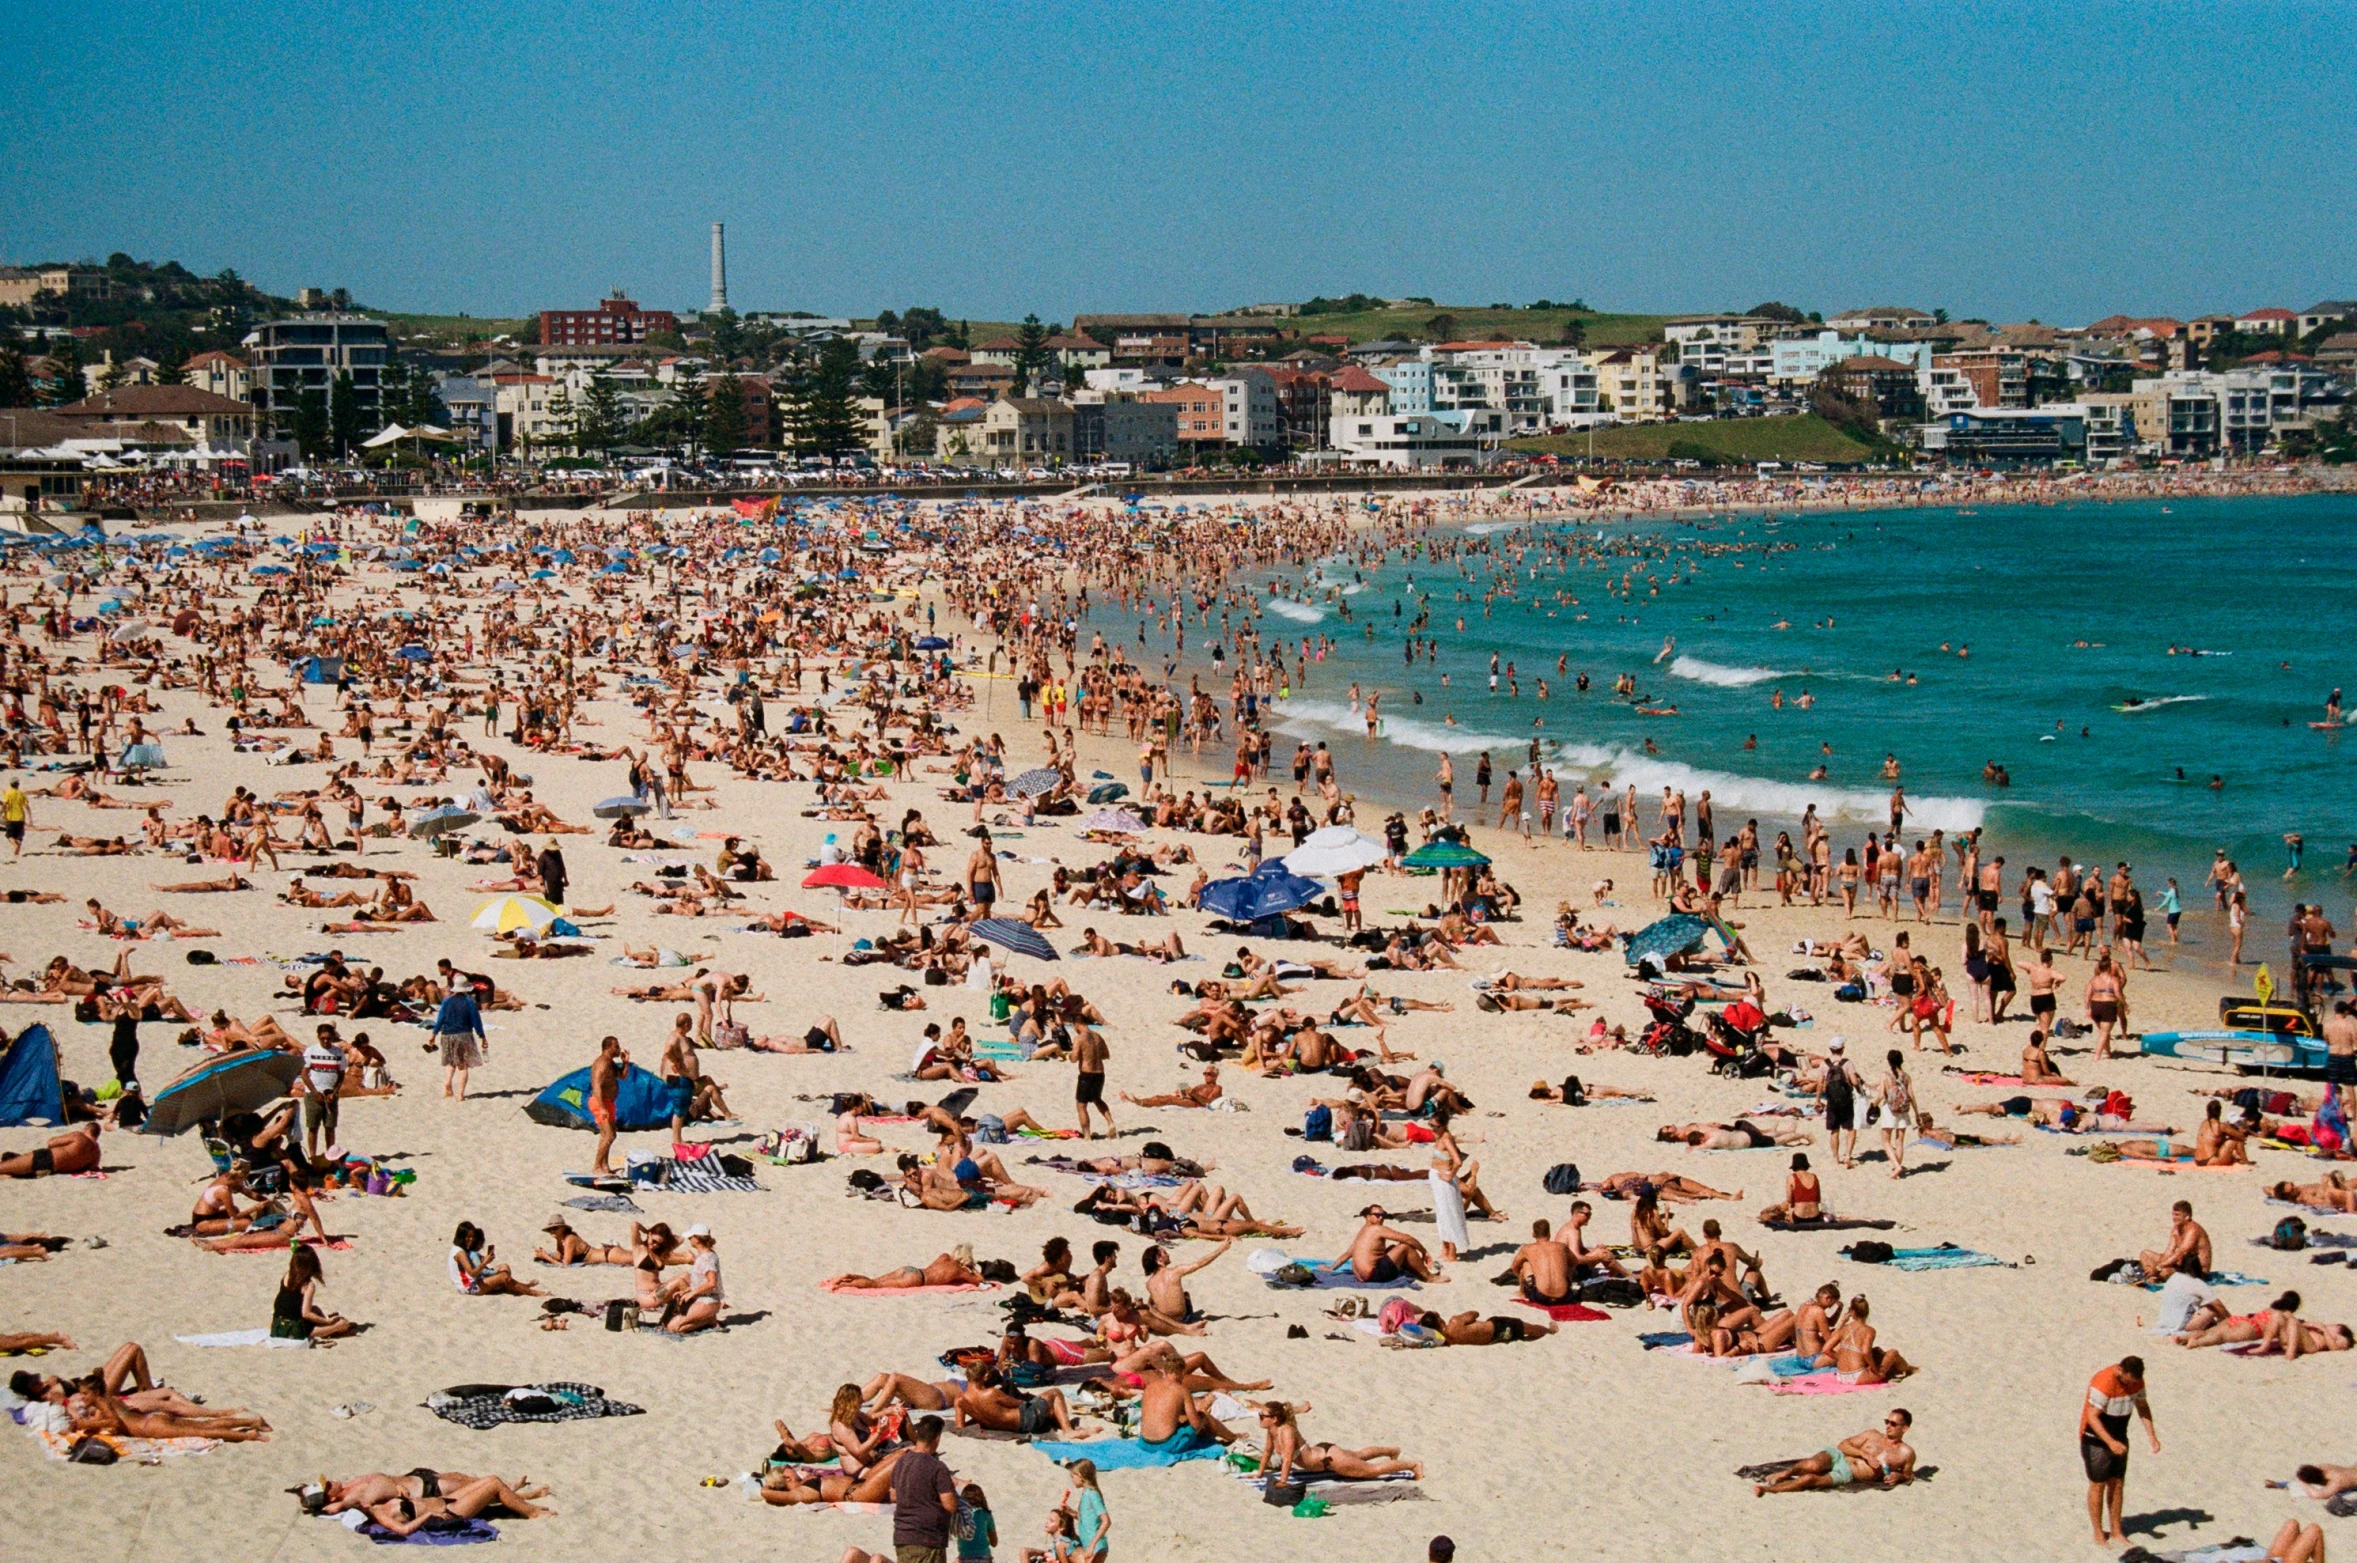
(1734, 1042)
(1668, 1032)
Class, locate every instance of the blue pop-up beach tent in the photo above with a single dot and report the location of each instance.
(29, 1089)
(642, 1102)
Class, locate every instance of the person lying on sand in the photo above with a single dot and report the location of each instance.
(987, 1402)
(1288, 1452)
(1471, 1329)
(569, 1248)
(154, 923)
(2278, 1329)
(786, 1487)
(1741, 1135)
(227, 882)
(76, 1150)
(1875, 1455)
(91, 1407)
(1674, 1187)
(2333, 1193)
(1202, 1095)
(955, 1268)
(1573, 1092)
(405, 1504)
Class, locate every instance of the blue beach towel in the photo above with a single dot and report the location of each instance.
(1331, 1277)
(1132, 1454)
(2220, 1278)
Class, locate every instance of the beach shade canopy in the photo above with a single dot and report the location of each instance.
(441, 821)
(322, 670)
(1113, 819)
(1337, 849)
(622, 808)
(1443, 854)
(641, 1101)
(241, 1083)
(1019, 937)
(1677, 934)
(142, 757)
(505, 914)
(1107, 792)
(841, 876)
(30, 1091)
(1037, 783)
(1270, 891)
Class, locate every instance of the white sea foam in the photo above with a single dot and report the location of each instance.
(1731, 791)
(1407, 732)
(1701, 672)
(1299, 612)
(2164, 700)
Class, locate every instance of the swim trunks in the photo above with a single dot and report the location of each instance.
(1385, 1270)
(1504, 1330)
(1839, 1469)
(1531, 1294)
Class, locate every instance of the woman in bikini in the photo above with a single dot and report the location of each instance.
(2106, 991)
(1285, 1451)
(1851, 1351)
(404, 1504)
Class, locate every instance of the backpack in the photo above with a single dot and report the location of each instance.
(866, 1180)
(1295, 1274)
(1562, 1178)
(1318, 1123)
(1870, 1252)
(2290, 1235)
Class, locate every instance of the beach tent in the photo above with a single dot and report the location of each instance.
(323, 670)
(29, 1089)
(643, 1101)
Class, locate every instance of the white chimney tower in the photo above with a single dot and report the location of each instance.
(719, 270)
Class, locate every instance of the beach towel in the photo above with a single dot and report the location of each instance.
(610, 1204)
(1831, 1224)
(1824, 1382)
(2220, 1278)
(828, 1285)
(1325, 1277)
(486, 1406)
(1947, 1256)
(1131, 1454)
(1656, 1340)
(1981, 1077)
(1769, 1470)
(446, 1530)
(682, 1178)
(257, 1337)
(141, 1451)
(1568, 1313)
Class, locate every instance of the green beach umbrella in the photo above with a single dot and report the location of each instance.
(1443, 854)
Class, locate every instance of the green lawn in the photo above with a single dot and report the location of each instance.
(1543, 326)
(457, 328)
(1733, 440)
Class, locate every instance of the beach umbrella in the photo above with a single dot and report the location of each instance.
(1337, 849)
(142, 757)
(932, 643)
(841, 876)
(1037, 783)
(414, 653)
(504, 914)
(1113, 819)
(1676, 934)
(1444, 854)
(1107, 792)
(1273, 889)
(622, 808)
(240, 1083)
(131, 629)
(441, 821)
(1019, 937)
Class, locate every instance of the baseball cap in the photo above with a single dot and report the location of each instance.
(698, 1230)
(1837, 1044)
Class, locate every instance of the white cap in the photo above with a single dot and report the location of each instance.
(1835, 1045)
(699, 1230)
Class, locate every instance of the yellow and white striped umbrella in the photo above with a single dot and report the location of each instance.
(509, 912)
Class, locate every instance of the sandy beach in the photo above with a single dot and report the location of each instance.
(1563, 1447)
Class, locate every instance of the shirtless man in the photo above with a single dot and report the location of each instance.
(1882, 1456)
(1471, 1329)
(1380, 1253)
(987, 1402)
(2188, 1248)
(76, 1150)
(1542, 1267)
(1192, 1096)
(1166, 1410)
(951, 1269)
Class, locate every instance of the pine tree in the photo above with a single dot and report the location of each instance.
(309, 423)
(65, 375)
(560, 419)
(724, 414)
(346, 418)
(688, 407)
(601, 421)
(16, 387)
(1031, 354)
(826, 422)
(173, 370)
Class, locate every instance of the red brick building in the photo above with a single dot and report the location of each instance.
(616, 320)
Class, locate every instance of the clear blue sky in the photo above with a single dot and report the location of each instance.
(2052, 160)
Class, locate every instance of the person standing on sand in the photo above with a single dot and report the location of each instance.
(982, 875)
(2113, 1395)
(16, 815)
(1089, 1053)
(1446, 777)
(605, 1088)
(458, 1031)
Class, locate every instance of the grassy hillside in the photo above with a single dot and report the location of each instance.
(1730, 441)
(1544, 326)
(455, 329)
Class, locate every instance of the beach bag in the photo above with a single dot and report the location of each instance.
(731, 1034)
(1360, 1136)
(1562, 1179)
(866, 1180)
(2290, 1235)
(1318, 1124)
(1870, 1252)
(1283, 1495)
(1396, 1312)
(1294, 1274)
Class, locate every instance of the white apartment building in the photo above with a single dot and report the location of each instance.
(1800, 360)
(1248, 408)
(1415, 441)
(1538, 388)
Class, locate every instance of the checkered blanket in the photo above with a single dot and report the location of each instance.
(538, 1403)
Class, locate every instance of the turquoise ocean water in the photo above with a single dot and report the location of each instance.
(2068, 613)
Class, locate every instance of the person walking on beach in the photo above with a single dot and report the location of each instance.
(1897, 1100)
(1446, 777)
(2113, 1395)
(458, 1031)
(924, 1498)
(16, 813)
(605, 1089)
